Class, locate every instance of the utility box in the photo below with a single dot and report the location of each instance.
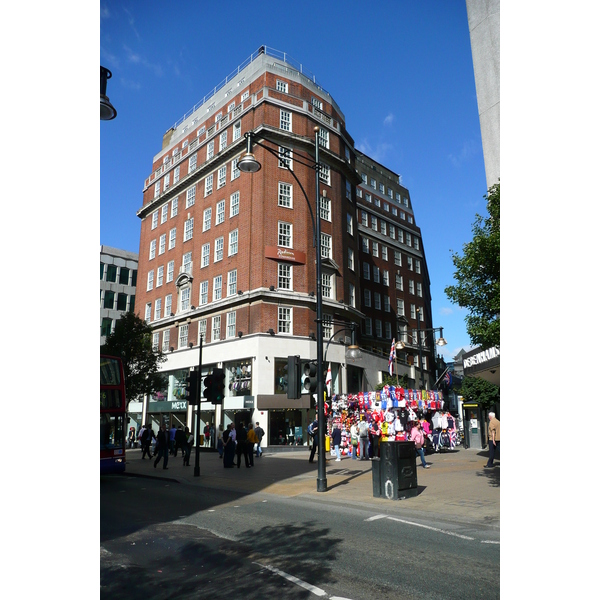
(395, 472)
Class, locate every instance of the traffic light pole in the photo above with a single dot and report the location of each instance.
(197, 400)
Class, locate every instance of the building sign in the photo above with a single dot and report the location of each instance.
(173, 406)
(285, 255)
(478, 359)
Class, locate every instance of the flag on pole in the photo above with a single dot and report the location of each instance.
(328, 380)
(392, 357)
(448, 378)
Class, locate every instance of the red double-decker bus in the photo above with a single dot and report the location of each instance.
(113, 407)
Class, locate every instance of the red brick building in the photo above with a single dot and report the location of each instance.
(228, 257)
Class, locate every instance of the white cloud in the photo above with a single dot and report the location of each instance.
(389, 119)
(446, 310)
(469, 149)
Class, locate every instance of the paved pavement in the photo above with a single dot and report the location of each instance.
(456, 487)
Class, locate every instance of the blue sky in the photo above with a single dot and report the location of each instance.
(401, 72)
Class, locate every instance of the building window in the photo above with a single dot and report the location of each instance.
(150, 280)
(326, 285)
(155, 219)
(376, 249)
(409, 263)
(351, 295)
(208, 185)
(375, 274)
(220, 212)
(364, 218)
(326, 246)
(364, 244)
(284, 320)
(217, 287)
(399, 282)
(323, 137)
(172, 238)
(176, 172)
(207, 219)
(170, 270)
(192, 163)
(157, 189)
(168, 304)
(232, 283)
(237, 130)
(223, 140)
(233, 243)
(384, 253)
(203, 293)
(210, 149)
(190, 197)
(187, 262)
(205, 256)
(400, 307)
(285, 158)
(282, 86)
(109, 299)
(183, 335)
(367, 298)
(366, 271)
(222, 176)
(164, 213)
(285, 235)
(188, 231)
(377, 297)
(284, 276)
(122, 302)
(106, 326)
(419, 290)
(284, 197)
(349, 224)
(157, 309)
(219, 249)
(235, 172)
(231, 325)
(148, 314)
(166, 340)
(216, 328)
(388, 330)
(351, 259)
(325, 208)
(378, 330)
(417, 266)
(386, 277)
(202, 330)
(234, 204)
(160, 276)
(325, 174)
(397, 258)
(373, 223)
(152, 249)
(285, 120)
(174, 203)
(185, 298)
(162, 243)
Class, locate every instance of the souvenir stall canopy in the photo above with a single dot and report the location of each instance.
(391, 413)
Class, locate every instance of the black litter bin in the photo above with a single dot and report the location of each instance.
(395, 473)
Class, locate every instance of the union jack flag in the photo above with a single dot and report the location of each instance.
(392, 357)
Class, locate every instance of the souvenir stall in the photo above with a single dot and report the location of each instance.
(391, 414)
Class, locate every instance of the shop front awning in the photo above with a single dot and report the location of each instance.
(483, 363)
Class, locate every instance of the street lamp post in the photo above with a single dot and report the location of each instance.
(249, 164)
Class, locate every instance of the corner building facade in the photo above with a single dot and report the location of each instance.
(227, 262)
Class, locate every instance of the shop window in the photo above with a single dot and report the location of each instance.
(238, 378)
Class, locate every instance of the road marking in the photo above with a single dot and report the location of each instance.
(307, 586)
(464, 537)
(376, 517)
(489, 542)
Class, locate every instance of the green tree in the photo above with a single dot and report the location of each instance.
(476, 389)
(391, 381)
(132, 342)
(477, 276)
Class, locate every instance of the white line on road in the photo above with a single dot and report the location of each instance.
(489, 542)
(376, 517)
(464, 537)
(307, 586)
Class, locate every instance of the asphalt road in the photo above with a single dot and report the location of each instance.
(162, 539)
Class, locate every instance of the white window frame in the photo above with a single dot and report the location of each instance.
(284, 319)
(234, 204)
(219, 245)
(205, 256)
(231, 325)
(233, 243)
(285, 196)
(232, 283)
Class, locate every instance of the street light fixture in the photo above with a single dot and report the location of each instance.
(107, 110)
(249, 164)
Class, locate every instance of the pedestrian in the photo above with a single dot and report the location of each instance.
(336, 440)
(242, 447)
(220, 440)
(313, 432)
(187, 447)
(180, 441)
(212, 435)
(206, 435)
(162, 446)
(417, 436)
(260, 432)
(493, 439)
(171, 434)
(251, 439)
(147, 437)
(131, 437)
(228, 447)
(354, 440)
(363, 438)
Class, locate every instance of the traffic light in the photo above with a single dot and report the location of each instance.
(191, 387)
(310, 381)
(209, 388)
(218, 382)
(293, 377)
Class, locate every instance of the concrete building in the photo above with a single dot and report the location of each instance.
(118, 280)
(484, 30)
(227, 259)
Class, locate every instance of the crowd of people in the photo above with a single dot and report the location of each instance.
(231, 442)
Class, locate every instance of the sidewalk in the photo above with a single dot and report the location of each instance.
(456, 487)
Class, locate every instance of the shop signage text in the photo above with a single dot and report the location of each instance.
(285, 255)
(481, 357)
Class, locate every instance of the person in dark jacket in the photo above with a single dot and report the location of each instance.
(162, 447)
(242, 448)
(336, 441)
(313, 431)
(180, 438)
(147, 441)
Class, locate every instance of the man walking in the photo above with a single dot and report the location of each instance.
(313, 431)
(363, 439)
(336, 440)
(242, 446)
(260, 432)
(162, 446)
(493, 439)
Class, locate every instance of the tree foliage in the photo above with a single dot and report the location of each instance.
(477, 276)
(391, 380)
(132, 342)
(476, 389)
